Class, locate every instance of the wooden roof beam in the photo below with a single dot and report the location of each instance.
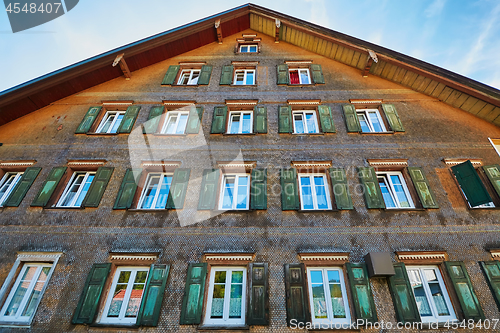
(123, 66)
(219, 31)
(369, 62)
(277, 31)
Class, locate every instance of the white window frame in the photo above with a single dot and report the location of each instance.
(190, 78)
(113, 123)
(78, 192)
(304, 122)
(121, 319)
(11, 186)
(240, 128)
(300, 77)
(313, 191)
(248, 46)
(369, 121)
(390, 186)
(170, 114)
(245, 74)
(226, 321)
(146, 186)
(428, 294)
(330, 320)
(235, 192)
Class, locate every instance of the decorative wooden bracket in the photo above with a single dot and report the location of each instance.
(123, 65)
(219, 31)
(372, 57)
(277, 31)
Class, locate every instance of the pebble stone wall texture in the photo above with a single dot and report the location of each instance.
(86, 236)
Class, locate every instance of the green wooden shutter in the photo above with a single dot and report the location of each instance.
(492, 271)
(171, 75)
(325, 119)
(258, 189)
(424, 191)
(471, 184)
(371, 188)
(97, 187)
(465, 291)
(285, 119)
(219, 120)
(91, 294)
(149, 313)
(88, 120)
(192, 303)
(129, 119)
(340, 188)
(205, 73)
(22, 187)
(194, 120)
(151, 125)
(351, 118)
(208, 189)
(317, 74)
(48, 187)
(226, 77)
(289, 190)
(297, 305)
(493, 174)
(178, 189)
(258, 311)
(364, 305)
(127, 190)
(393, 118)
(402, 295)
(282, 74)
(260, 119)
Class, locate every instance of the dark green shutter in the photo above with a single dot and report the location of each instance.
(194, 120)
(371, 188)
(226, 77)
(364, 305)
(471, 184)
(260, 119)
(421, 184)
(340, 188)
(460, 279)
(493, 174)
(88, 120)
(208, 189)
(91, 294)
(48, 187)
(219, 120)
(258, 312)
(297, 305)
(393, 118)
(178, 189)
(351, 118)
(492, 271)
(171, 74)
(402, 295)
(22, 187)
(258, 189)
(205, 73)
(325, 119)
(317, 74)
(127, 190)
(282, 74)
(129, 119)
(289, 190)
(97, 187)
(151, 125)
(285, 119)
(192, 303)
(149, 313)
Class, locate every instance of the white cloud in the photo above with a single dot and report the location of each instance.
(319, 13)
(435, 8)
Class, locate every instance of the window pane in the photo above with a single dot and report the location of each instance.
(8, 185)
(236, 294)
(294, 77)
(319, 185)
(318, 295)
(150, 192)
(107, 123)
(227, 200)
(244, 48)
(181, 126)
(84, 191)
(250, 77)
(119, 294)
(77, 181)
(184, 77)
(117, 123)
(240, 77)
(220, 277)
(437, 294)
(242, 193)
(336, 294)
(235, 124)
(194, 77)
(28, 275)
(253, 48)
(400, 193)
(161, 201)
(304, 77)
(364, 123)
(218, 300)
(299, 126)
(311, 124)
(172, 119)
(389, 202)
(134, 302)
(306, 193)
(246, 123)
(36, 293)
(375, 122)
(419, 292)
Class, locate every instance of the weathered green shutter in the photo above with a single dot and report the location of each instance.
(340, 188)
(260, 119)
(171, 74)
(48, 187)
(364, 305)
(297, 305)
(178, 189)
(492, 271)
(151, 125)
(97, 187)
(22, 187)
(91, 294)
(325, 119)
(149, 313)
(351, 118)
(393, 118)
(88, 120)
(402, 295)
(258, 189)
(194, 120)
(371, 188)
(471, 184)
(258, 312)
(208, 189)
(205, 73)
(289, 189)
(127, 190)
(421, 184)
(192, 303)
(493, 174)
(219, 120)
(129, 119)
(282, 74)
(465, 291)
(317, 74)
(226, 77)
(285, 119)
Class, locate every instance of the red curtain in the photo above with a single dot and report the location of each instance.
(294, 77)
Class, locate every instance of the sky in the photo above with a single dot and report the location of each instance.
(458, 35)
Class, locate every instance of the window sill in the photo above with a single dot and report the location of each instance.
(14, 324)
(298, 85)
(104, 134)
(148, 210)
(244, 134)
(403, 209)
(378, 133)
(210, 328)
(182, 85)
(317, 210)
(242, 85)
(68, 208)
(246, 53)
(307, 134)
(164, 134)
(116, 326)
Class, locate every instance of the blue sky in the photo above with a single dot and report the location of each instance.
(461, 36)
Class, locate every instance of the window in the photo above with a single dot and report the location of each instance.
(240, 122)
(175, 122)
(235, 192)
(111, 122)
(110, 118)
(314, 192)
(244, 77)
(248, 48)
(299, 76)
(189, 77)
(76, 190)
(371, 116)
(496, 144)
(305, 121)
(394, 190)
(7, 184)
(370, 121)
(155, 192)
